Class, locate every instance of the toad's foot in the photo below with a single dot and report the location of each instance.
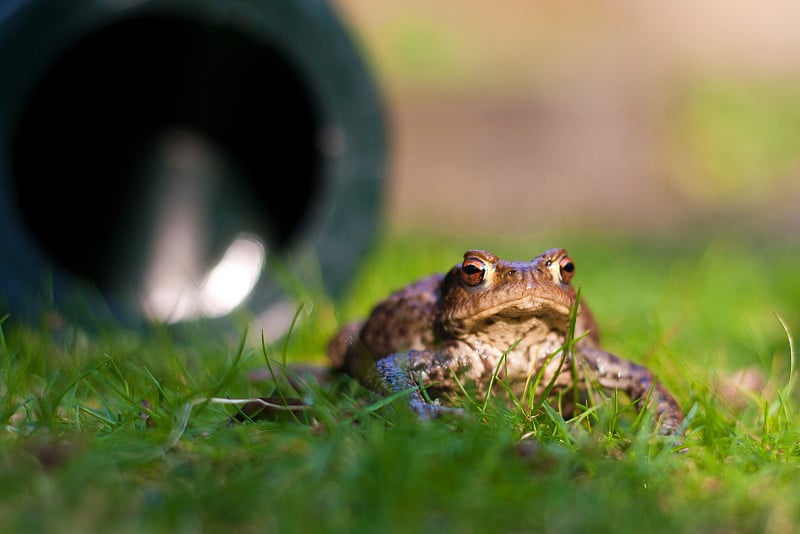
(613, 372)
(396, 374)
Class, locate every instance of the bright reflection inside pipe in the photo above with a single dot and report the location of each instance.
(233, 278)
(175, 297)
(179, 285)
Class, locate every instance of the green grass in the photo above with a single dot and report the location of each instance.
(80, 452)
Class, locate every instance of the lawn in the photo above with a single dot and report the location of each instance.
(110, 429)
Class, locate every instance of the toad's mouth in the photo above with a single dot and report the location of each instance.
(533, 307)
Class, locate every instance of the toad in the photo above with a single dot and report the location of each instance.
(487, 320)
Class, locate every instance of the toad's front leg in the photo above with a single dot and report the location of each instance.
(613, 372)
(405, 371)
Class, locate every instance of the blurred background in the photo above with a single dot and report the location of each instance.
(610, 115)
(528, 119)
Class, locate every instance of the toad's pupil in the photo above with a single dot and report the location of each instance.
(569, 267)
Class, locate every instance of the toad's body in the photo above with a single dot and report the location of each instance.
(453, 329)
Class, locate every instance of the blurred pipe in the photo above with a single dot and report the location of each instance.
(164, 136)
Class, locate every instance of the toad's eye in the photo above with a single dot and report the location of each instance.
(566, 269)
(563, 270)
(473, 271)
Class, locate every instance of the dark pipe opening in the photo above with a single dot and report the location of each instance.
(89, 126)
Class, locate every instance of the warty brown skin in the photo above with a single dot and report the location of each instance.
(446, 329)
